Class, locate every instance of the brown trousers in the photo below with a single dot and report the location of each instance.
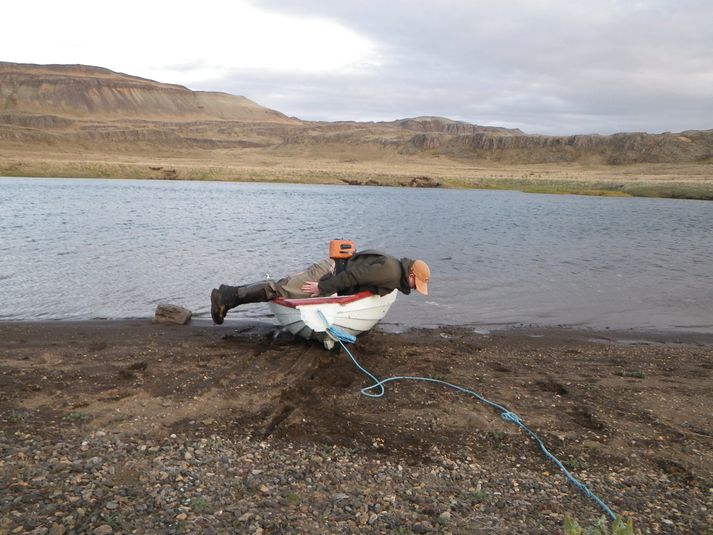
(291, 286)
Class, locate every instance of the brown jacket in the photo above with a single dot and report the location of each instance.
(370, 270)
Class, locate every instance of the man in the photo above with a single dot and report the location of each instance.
(367, 270)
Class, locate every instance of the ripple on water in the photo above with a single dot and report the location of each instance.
(116, 248)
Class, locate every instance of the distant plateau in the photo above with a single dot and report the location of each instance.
(82, 121)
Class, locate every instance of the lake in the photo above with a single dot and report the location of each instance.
(86, 249)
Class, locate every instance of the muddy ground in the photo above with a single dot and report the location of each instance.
(628, 413)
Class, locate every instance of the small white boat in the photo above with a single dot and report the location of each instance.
(354, 314)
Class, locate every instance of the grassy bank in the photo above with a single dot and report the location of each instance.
(683, 181)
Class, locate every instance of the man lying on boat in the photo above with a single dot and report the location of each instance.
(369, 270)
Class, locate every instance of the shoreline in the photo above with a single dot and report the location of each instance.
(128, 425)
(676, 181)
(269, 327)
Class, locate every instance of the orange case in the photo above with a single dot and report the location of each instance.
(341, 249)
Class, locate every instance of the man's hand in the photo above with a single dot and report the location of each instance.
(311, 288)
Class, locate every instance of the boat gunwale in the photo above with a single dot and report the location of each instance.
(338, 300)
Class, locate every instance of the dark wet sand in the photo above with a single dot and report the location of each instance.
(629, 413)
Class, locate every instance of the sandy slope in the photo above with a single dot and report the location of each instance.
(628, 413)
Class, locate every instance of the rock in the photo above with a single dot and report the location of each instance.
(166, 313)
(421, 182)
(104, 529)
(422, 527)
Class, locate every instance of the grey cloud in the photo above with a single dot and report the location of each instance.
(548, 67)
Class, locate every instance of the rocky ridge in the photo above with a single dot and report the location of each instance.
(74, 107)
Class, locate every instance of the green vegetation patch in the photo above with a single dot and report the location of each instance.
(636, 374)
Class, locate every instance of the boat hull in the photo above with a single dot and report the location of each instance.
(354, 314)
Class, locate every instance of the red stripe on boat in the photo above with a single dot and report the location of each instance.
(339, 300)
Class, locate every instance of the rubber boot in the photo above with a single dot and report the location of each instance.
(221, 300)
(258, 292)
(227, 297)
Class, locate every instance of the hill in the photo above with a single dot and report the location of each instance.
(50, 112)
(83, 92)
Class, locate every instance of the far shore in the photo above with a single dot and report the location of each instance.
(666, 180)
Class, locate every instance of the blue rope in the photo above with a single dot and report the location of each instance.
(342, 336)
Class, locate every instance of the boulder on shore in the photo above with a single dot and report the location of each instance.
(166, 313)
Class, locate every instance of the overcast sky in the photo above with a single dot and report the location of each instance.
(544, 66)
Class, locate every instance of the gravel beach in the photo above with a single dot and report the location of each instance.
(131, 427)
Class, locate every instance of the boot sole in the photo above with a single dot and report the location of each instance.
(215, 308)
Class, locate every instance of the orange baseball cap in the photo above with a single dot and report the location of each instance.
(422, 273)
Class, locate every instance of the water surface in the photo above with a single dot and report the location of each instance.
(81, 249)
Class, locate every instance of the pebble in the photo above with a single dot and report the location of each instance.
(244, 486)
(422, 527)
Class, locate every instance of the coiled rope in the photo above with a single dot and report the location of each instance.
(341, 336)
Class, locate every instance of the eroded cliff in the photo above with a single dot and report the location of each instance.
(75, 107)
